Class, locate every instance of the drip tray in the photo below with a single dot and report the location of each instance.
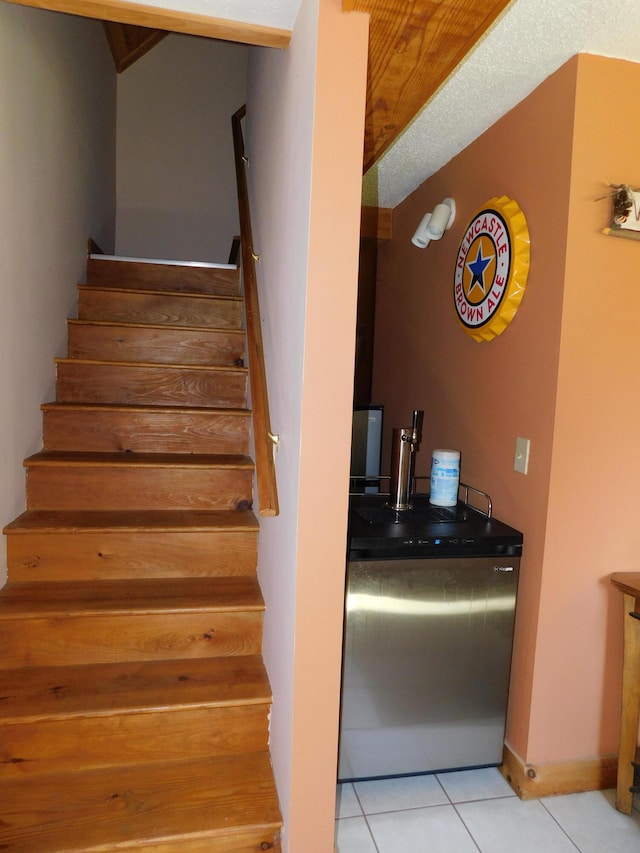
(415, 515)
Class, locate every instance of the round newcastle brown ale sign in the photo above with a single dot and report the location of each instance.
(491, 269)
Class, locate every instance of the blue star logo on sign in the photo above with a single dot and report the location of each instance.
(477, 269)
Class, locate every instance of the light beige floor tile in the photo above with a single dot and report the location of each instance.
(409, 792)
(432, 830)
(593, 823)
(347, 804)
(412, 815)
(353, 836)
(511, 825)
(484, 784)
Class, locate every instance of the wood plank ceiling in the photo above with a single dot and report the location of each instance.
(414, 45)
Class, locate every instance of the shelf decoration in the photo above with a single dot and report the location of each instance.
(625, 212)
(491, 270)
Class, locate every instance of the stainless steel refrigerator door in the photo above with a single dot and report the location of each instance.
(427, 657)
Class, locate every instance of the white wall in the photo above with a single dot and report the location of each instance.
(279, 137)
(176, 181)
(57, 173)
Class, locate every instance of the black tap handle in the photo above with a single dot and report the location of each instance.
(418, 417)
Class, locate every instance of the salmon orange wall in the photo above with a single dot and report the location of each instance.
(563, 374)
(478, 397)
(332, 286)
(592, 527)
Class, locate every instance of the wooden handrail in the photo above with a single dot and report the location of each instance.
(263, 438)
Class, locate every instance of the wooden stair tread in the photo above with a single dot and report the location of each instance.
(191, 276)
(192, 294)
(141, 409)
(98, 521)
(207, 368)
(123, 597)
(162, 327)
(45, 693)
(144, 383)
(187, 802)
(132, 459)
(179, 308)
(144, 339)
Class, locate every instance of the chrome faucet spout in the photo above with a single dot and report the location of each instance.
(404, 444)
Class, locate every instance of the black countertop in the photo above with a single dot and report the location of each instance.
(377, 531)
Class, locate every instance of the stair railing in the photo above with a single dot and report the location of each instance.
(263, 438)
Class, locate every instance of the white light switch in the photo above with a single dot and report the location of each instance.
(521, 462)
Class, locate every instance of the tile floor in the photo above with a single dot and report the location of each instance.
(476, 810)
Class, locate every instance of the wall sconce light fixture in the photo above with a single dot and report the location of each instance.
(434, 224)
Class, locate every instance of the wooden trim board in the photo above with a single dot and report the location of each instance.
(129, 43)
(155, 17)
(376, 222)
(531, 781)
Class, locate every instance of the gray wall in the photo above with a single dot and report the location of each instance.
(176, 180)
(305, 184)
(57, 173)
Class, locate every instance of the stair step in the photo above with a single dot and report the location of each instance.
(79, 622)
(226, 804)
(101, 427)
(121, 305)
(25, 600)
(59, 546)
(138, 481)
(223, 279)
(81, 381)
(134, 704)
(161, 344)
(76, 717)
(37, 694)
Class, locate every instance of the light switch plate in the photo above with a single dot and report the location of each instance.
(521, 462)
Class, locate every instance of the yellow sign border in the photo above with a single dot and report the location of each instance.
(509, 212)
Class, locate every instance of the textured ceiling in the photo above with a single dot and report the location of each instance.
(527, 43)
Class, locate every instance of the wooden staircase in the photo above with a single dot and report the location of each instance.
(133, 699)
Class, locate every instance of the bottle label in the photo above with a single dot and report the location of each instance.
(445, 477)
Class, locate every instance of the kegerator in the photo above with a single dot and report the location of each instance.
(429, 617)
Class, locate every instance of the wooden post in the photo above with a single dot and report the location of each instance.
(629, 584)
